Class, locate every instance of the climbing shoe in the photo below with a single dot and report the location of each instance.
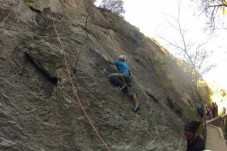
(135, 109)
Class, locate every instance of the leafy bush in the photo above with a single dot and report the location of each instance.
(160, 65)
(151, 123)
(179, 110)
(27, 2)
(128, 31)
(175, 107)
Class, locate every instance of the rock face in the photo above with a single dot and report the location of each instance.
(38, 109)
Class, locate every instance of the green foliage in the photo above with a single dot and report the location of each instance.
(160, 46)
(178, 110)
(166, 84)
(128, 31)
(151, 123)
(223, 92)
(140, 56)
(175, 107)
(27, 2)
(225, 128)
(160, 65)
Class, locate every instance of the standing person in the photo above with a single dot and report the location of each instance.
(223, 111)
(194, 141)
(123, 79)
(208, 112)
(216, 109)
(200, 108)
(213, 110)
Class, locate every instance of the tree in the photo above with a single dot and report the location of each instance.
(194, 53)
(223, 92)
(115, 6)
(213, 9)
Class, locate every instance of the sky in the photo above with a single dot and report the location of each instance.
(153, 18)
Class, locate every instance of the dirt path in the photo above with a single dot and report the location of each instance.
(215, 140)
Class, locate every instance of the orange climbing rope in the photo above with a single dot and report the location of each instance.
(70, 78)
(10, 13)
(75, 90)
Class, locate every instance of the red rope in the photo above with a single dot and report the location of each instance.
(10, 13)
(75, 90)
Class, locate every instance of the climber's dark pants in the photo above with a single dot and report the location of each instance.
(120, 79)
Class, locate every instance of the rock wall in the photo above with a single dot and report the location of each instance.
(38, 109)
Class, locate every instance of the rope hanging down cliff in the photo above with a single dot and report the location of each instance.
(75, 90)
(70, 77)
(69, 74)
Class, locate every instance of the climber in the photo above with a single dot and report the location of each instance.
(123, 79)
(194, 141)
(200, 108)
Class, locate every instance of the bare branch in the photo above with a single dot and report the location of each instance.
(192, 52)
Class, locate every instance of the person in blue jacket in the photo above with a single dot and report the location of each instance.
(123, 79)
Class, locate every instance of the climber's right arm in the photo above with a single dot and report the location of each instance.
(107, 60)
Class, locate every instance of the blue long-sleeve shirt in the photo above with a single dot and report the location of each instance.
(122, 67)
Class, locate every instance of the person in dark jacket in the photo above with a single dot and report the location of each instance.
(194, 141)
(123, 79)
